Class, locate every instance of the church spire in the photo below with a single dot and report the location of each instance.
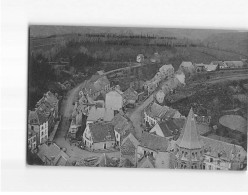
(190, 137)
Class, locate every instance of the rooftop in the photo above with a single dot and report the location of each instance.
(105, 161)
(190, 137)
(154, 142)
(223, 150)
(53, 153)
(102, 132)
(155, 110)
(146, 162)
(168, 128)
(37, 118)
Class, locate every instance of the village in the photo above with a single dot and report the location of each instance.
(113, 121)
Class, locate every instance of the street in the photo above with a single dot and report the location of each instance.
(136, 116)
(74, 152)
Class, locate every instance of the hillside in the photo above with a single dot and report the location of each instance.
(237, 42)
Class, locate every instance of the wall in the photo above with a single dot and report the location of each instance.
(223, 165)
(100, 145)
(141, 150)
(114, 100)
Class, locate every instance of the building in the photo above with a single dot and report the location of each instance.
(160, 96)
(105, 161)
(220, 155)
(164, 160)
(199, 68)
(99, 136)
(193, 151)
(53, 155)
(151, 85)
(140, 58)
(211, 67)
(122, 127)
(48, 106)
(167, 71)
(128, 151)
(146, 162)
(187, 68)
(130, 96)
(96, 85)
(170, 85)
(155, 113)
(38, 123)
(180, 77)
(114, 100)
(32, 140)
(189, 146)
(219, 64)
(151, 145)
(167, 129)
(100, 114)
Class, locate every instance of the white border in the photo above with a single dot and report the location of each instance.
(17, 14)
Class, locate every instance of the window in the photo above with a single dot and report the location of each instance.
(32, 127)
(152, 153)
(211, 159)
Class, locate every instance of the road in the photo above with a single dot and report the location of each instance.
(136, 116)
(66, 109)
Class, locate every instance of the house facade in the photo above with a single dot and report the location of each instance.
(128, 151)
(160, 96)
(151, 145)
(99, 136)
(130, 96)
(32, 140)
(38, 123)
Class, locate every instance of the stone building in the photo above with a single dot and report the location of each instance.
(189, 147)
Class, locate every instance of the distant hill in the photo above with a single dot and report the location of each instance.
(201, 34)
(237, 42)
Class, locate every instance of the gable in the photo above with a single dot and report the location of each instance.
(156, 129)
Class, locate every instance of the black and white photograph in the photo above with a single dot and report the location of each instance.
(131, 97)
(138, 96)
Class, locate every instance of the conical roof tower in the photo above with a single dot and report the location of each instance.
(190, 137)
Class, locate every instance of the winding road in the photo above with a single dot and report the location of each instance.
(75, 153)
